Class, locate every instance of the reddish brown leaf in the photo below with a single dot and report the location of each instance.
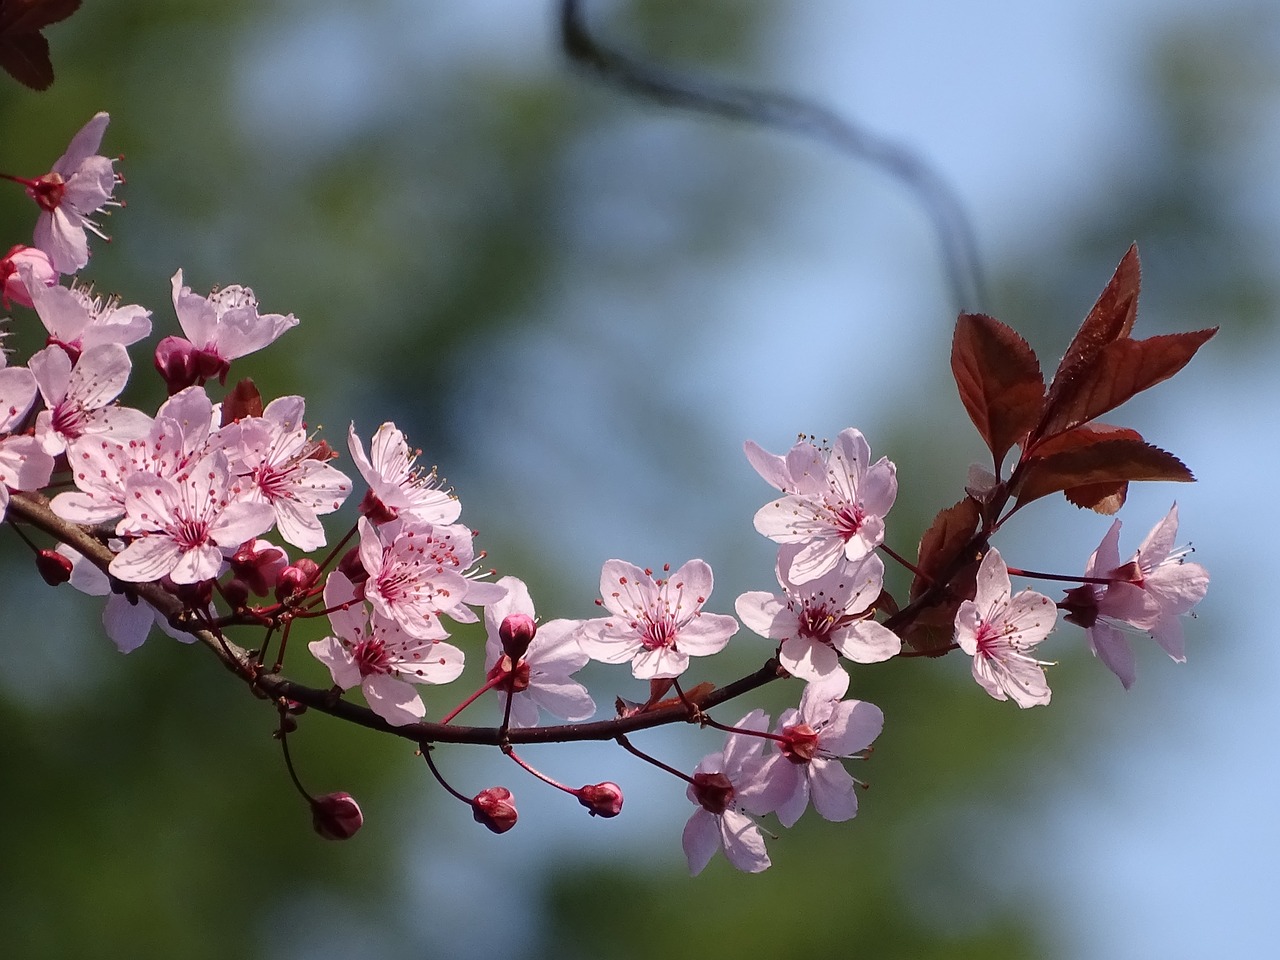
(933, 633)
(24, 52)
(244, 400)
(1106, 461)
(950, 532)
(1112, 317)
(999, 380)
(1121, 370)
(25, 57)
(1085, 435)
(1104, 498)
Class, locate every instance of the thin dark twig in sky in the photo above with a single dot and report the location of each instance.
(951, 223)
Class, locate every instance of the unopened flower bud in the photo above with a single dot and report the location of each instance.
(259, 564)
(53, 567)
(176, 363)
(352, 567)
(295, 578)
(13, 285)
(602, 799)
(494, 808)
(236, 592)
(336, 816)
(516, 633)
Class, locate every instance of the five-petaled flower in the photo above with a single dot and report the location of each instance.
(727, 787)
(1148, 593)
(656, 624)
(820, 619)
(999, 631)
(834, 504)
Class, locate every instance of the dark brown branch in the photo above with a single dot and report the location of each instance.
(33, 508)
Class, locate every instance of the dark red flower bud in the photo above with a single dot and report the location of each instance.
(53, 567)
(352, 567)
(602, 799)
(516, 633)
(176, 363)
(494, 808)
(336, 816)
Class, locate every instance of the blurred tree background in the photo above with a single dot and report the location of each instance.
(580, 306)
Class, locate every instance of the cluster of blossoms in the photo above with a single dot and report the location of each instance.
(185, 500)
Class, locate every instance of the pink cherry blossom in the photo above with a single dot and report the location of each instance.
(225, 325)
(656, 624)
(806, 762)
(1148, 593)
(414, 574)
(541, 676)
(277, 462)
(127, 620)
(1000, 630)
(400, 486)
(374, 654)
(79, 185)
(834, 504)
(178, 437)
(77, 320)
(179, 527)
(79, 399)
(24, 465)
(726, 787)
(822, 618)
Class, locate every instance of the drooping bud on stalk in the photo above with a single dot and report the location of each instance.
(53, 567)
(336, 816)
(516, 633)
(494, 808)
(296, 578)
(602, 799)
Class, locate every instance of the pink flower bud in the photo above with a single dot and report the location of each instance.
(295, 578)
(494, 808)
(336, 816)
(12, 285)
(602, 799)
(53, 567)
(516, 633)
(259, 564)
